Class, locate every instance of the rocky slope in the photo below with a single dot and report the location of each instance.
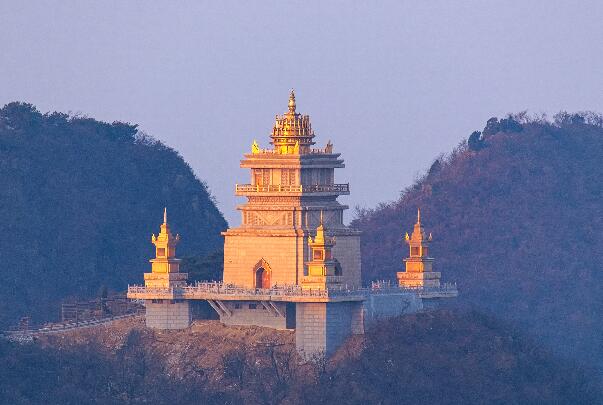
(429, 358)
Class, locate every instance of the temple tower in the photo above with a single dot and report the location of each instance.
(290, 185)
(165, 274)
(324, 271)
(419, 272)
(165, 267)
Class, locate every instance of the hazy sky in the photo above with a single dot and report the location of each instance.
(392, 84)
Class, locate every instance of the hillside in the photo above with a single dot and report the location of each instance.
(432, 358)
(80, 199)
(517, 219)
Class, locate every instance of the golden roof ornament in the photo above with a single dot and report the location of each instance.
(255, 148)
(292, 132)
(329, 147)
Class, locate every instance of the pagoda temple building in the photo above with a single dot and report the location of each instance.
(292, 263)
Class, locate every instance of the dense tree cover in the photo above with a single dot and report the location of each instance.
(517, 219)
(204, 268)
(430, 358)
(450, 358)
(80, 199)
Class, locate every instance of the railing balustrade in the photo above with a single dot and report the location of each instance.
(309, 188)
(313, 151)
(204, 288)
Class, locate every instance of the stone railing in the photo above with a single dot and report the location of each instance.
(322, 279)
(327, 150)
(301, 188)
(65, 326)
(215, 288)
(205, 289)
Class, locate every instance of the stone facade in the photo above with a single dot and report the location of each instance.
(280, 253)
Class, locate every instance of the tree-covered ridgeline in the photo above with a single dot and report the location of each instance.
(516, 214)
(79, 199)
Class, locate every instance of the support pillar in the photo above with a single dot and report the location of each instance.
(168, 314)
(321, 328)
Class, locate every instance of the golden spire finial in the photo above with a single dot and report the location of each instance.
(165, 215)
(292, 102)
(418, 215)
(320, 217)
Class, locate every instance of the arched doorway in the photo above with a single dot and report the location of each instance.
(262, 278)
(261, 275)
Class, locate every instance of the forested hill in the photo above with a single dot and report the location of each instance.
(517, 219)
(432, 358)
(79, 201)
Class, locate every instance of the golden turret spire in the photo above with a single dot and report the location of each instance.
(419, 271)
(165, 237)
(292, 102)
(165, 267)
(323, 269)
(418, 232)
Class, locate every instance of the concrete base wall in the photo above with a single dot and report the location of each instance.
(385, 306)
(321, 328)
(255, 313)
(431, 303)
(167, 314)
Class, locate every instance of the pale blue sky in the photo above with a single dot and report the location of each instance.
(392, 84)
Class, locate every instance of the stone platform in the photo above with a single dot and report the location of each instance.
(322, 318)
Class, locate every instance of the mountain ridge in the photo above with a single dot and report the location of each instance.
(80, 201)
(517, 221)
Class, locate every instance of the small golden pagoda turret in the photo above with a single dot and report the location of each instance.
(165, 267)
(292, 132)
(324, 271)
(419, 271)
